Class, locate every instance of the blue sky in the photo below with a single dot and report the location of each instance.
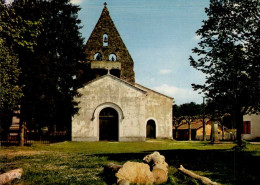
(159, 35)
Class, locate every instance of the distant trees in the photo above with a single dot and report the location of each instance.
(188, 112)
(228, 54)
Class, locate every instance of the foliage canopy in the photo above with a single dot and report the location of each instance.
(228, 54)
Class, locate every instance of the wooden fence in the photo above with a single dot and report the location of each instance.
(32, 138)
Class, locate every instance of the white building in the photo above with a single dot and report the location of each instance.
(251, 127)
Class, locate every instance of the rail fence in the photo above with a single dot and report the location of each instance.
(34, 138)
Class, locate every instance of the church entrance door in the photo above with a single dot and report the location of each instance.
(108, 125)
(151, 129)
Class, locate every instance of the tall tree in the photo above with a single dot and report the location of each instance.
(228, 54)
(15, 34)
(48, 73)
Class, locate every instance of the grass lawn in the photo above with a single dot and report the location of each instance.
(82, 162)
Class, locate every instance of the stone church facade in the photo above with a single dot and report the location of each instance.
(112, 106)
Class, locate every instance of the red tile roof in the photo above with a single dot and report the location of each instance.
(194, 125)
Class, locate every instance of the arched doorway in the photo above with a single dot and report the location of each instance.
(108, 125)
(151, 129)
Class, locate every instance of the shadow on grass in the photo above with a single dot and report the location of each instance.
(222, 166)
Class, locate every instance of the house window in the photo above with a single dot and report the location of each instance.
(112, 57)
(105, 40)
(98, 57)
(246, 127)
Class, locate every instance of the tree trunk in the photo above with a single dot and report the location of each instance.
(239, 127)
(223, 132)
(175, 131)
(204, 130)
(21, 133)
(189, 123)
(203, 121)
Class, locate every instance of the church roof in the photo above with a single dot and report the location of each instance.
(117, 79)
(136, 86)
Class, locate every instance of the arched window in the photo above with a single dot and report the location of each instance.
(105, 40)
(98, 57)
(112, 57)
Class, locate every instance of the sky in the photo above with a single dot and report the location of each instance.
(159, 35)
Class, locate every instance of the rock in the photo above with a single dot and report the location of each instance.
(134, 172)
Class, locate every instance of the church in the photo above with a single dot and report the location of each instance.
(112, 106)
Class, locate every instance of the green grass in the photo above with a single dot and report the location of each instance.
(82, 162)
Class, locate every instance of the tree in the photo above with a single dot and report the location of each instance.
(228, 54)
(48, 73)
(13, 30)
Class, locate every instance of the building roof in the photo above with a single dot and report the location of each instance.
(136, 86)
(117, 79)
(194, 125)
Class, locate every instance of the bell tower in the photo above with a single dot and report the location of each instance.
(106, 52)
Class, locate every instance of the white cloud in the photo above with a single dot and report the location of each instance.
(165, 71)
(76, 1)
(180, 95)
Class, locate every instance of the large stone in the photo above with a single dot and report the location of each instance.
(134, 172)
(159, 167)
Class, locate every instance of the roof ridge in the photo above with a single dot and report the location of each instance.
(116, 78)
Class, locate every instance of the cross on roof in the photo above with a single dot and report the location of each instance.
(105, 4)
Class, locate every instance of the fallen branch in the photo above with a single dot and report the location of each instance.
(203, 179)
(11, 175)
